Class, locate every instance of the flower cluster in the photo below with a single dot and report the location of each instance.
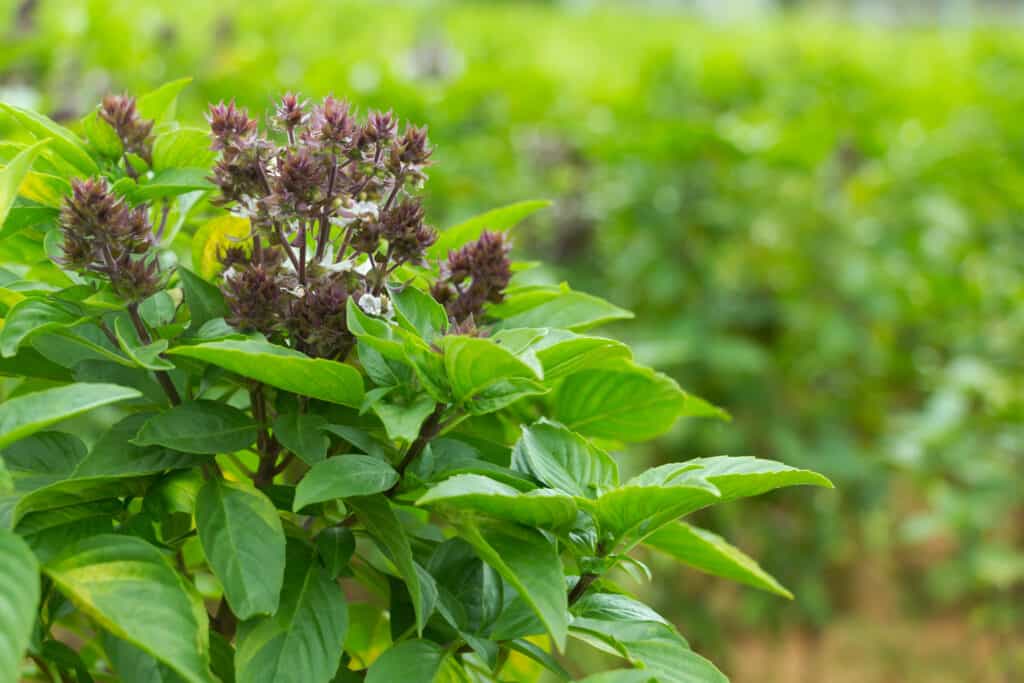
(332, 213)
(134, 131)
(474, 275)
(105, 236)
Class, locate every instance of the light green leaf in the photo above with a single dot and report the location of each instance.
(344, 476)
(556, 307)
(182, 148)
(743, 477)
(383, 525)
(650, 642)
(27, 414)
(301, 434)
(562, 353)
(402, 422)
(19, 598)
(712, 554)
(564, 460)
(171, 183)
(636, 509)
(12, 175)
(164, 617)
(628, 403)
(302, 642)
(103, 139)
(413, 661)
(418, 312)
(621, 676)
(485, 376)
(502, 218)
(42, 218)
(159, 104)
(539, 508)
(204, 427)
(31, 317)
(530, 562)
(242, 537)
(68, 145)
(283, 368)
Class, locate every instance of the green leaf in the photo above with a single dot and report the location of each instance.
(402, 422)
(539, 508)
(132, 664)
(418, 312)
(556, 307)
(302, 642)
(164, 617)
(182, 148)
(242, 538)
(562, 353)
(47, 190)
(10, 180)
(68, 145)
(19, 598)
(103, 139)
(383, 525)
(474, 585)
(539, 655)
(344, 476)
(564, 460)
(628, 403)
(283, 368)
(301, 434)
(653, 645)
(484, 376)
(25, 415)
(743, 477)
(42, 218)
(412, 661)
(712, 554)
(335, 545)
(621, 676)
(529, 561)
(146, 356)
(204, 300)
(171, 183)
(31, 317)
(204, 427)
(502, 218)
(159, 104)
(639, 509)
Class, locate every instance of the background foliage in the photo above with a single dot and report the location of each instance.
(820, 226)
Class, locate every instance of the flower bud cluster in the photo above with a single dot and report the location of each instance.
(104, 236)
(134, 131)
(474, 275)
(330, 201)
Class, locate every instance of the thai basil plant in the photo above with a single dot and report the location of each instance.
(262, 423)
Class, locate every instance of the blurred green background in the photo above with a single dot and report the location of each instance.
(817, 216)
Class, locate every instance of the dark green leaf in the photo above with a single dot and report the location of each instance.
(344, 476)
(302, 434)
(302, 642)
(530, 562)
(204, 300)
(204, 427)
(335, 545)
(242, 538)
(413, 661)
